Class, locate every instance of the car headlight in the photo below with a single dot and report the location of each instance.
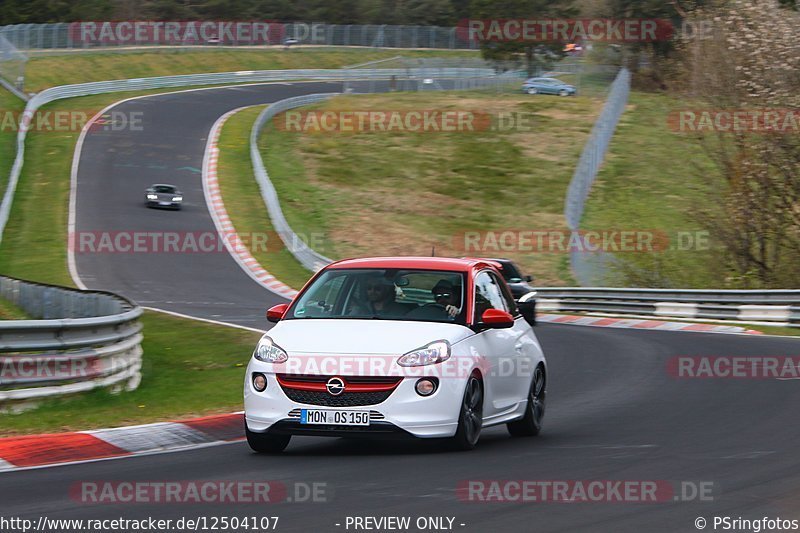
(435, 352)
(152, 197)
(269, 352)
(177, 198)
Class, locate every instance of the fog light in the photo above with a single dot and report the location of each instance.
(259, 382)
(426, 386)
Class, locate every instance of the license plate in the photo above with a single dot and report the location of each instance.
(164, 203)
(334, 418)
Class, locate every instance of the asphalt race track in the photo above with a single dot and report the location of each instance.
(614, 410)
(114, 170)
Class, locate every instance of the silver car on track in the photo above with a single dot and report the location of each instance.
(163, 195)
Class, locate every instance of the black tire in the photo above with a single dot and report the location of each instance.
(531, 423)
(563, 93)
(266, 443)
(470, 416)
(533, 90)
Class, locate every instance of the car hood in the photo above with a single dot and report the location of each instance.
(361, 336)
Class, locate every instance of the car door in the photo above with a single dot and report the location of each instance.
(502, 350)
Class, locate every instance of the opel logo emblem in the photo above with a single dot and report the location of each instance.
(335, 386)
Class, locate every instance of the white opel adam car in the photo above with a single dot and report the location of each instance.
(390, 347)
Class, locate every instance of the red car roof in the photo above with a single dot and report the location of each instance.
(421, 263)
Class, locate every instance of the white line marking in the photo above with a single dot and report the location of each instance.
(200, 319)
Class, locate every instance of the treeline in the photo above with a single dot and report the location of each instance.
(412, 12)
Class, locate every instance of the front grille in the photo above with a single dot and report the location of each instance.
(346, 399)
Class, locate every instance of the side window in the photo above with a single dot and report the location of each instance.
(511, 305)
(487, 295)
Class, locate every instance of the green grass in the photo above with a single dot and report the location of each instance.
(199, 360)
(650, 181)
(51, 70)
(9, 311)
(34, 243)
(405, 193)
(244, 203)
(189, 369)
(8, 135)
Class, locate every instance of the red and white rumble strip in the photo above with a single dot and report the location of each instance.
(606, 322)
(50, 449)
(223, 222)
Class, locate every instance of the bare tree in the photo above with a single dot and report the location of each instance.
(751, 63)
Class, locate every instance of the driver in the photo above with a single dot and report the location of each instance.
(444, 294)
(380, 294)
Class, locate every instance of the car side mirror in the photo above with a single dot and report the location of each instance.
(527, 307)
(276, 312)
(528, 278)
(496, 318)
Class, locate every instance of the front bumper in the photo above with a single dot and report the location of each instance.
(404, 413)
(164, 205)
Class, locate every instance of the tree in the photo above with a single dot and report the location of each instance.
(752, 63)
(533, 52)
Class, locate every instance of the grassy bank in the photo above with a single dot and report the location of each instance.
(202, 361)
(51, 70)
(8, 133)
(244, 203)
(404, 192)
(9, 311)
(650, 181)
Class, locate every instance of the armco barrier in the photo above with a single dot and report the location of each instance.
(219, 78)
(300, 250)
(781, 307)
(77, 341)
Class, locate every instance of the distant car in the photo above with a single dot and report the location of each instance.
(516, 280)
(548, 86)
(163, 195)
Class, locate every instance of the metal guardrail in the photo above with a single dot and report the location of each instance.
(77, 341)
(220, 78)
(591, 159)
(297, 246)
(781, 307)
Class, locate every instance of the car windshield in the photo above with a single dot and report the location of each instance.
(387, 294)
(510, 271)
(168, 189)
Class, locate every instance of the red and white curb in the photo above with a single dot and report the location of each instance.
(223, 222)
(61, 448)
(607, 322)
